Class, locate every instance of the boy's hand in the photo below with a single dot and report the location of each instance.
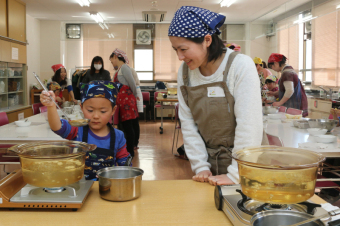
(202, 176)
(45, 98)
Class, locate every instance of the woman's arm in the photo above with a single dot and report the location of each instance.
(193, 142)
(289, 91)
(126, 71)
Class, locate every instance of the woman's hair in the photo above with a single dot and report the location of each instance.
(94, 60)
(282, 62)
(215, 50)
(264, 65)
(119, 58)
(57, 78)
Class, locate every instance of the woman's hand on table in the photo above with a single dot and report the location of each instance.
(220, 180)
(45, 98)
(202, 176)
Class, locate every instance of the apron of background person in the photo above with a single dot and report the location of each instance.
(295, 100)
(126, 102)
(100, 157)
(214, 117)
(140, 101)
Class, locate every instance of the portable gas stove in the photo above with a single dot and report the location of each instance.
(15, 193)
(239, 208)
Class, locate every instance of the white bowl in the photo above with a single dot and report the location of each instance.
(316, 131)
(325, 139)
(274, 116)
(22, 123)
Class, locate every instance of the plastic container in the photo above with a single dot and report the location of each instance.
(279, 175)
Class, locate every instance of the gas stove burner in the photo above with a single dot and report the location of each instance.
(54, 190)
(276, 207)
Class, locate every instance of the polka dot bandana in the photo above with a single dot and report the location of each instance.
(95, 89)
(194, 22)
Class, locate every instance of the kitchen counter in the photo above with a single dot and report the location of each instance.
(176, 202)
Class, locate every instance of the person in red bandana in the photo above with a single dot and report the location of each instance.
(291, 92)
(60, 76)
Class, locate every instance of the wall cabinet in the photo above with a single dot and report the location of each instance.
(3, 18)
(16, 20)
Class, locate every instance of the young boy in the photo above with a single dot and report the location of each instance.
(98, 104)
(55, 87)
(272, 87)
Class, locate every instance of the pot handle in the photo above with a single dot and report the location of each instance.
(14, 148)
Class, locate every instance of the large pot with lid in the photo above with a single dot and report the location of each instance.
(279, 175)
(52, 164)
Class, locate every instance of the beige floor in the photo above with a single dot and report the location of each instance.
(154, 154)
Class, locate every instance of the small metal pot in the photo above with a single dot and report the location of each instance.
(282, 217)
(120, 183)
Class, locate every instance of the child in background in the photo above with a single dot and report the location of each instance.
(271, 82)
(98, 104)
(56, 88)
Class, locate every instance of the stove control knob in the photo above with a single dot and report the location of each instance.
(218, 197)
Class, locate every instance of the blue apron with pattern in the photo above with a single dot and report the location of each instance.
(295, 100)
(100, 157)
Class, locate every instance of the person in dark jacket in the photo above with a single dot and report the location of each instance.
(97, 71)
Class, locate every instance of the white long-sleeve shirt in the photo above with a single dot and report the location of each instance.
(244, 85)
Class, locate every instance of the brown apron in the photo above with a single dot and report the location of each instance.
(214, 117)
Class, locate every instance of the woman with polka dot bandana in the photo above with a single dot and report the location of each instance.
(218, 93)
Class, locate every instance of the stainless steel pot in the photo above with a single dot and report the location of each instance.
(282, 217)
(120, 183)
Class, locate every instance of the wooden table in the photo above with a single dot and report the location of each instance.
(162, 100)
(172, 202)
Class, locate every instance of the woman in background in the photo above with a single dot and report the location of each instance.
(291, 92)
(60, 76)
(263, 73)
(97, 71)
(126, 99)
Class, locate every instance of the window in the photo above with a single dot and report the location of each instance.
(144, 63)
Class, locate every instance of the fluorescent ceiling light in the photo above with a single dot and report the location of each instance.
(227, 3)
(103, 26)
(110, 17)
(338, 7)
(111, 35)
(97, 17)
(305, 19)
(84, 3)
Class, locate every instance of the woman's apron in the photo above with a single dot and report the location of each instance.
(214, 117)
(295, 100)
(126, 102)
(100, 157)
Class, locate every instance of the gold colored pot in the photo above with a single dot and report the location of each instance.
(52, 164)
(279, 175)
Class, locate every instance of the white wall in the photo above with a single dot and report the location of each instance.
(33, 51)
(50, 47)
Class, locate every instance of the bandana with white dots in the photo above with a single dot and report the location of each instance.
(194, 22)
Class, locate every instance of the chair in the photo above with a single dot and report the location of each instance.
(156, 105)
(116, 117)
(274, 140)
(8, 160)
(3, 118)
(282, 109)
(177, 128)
(35, 108)
(43, 109)
(294, 111)
(146, 97)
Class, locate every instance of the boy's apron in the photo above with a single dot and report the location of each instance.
(214, 117)
(100, 157)
(295, 100)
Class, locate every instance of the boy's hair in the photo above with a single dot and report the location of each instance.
(54, 86)
(269, 81)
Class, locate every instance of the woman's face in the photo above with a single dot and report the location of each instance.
(258, 67)
(193, 54)
(62, 73)
(97, 65)
(114, 61)
(276, 67)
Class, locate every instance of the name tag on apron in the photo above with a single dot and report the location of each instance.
(215, 92)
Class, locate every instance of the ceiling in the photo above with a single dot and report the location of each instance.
(130, 11)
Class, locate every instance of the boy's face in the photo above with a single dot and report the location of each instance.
(271, 85)
(99, 111)
(57, 92)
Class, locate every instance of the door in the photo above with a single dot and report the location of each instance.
(16, 20)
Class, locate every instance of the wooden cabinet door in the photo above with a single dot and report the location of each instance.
(16, 20)
(5, 49)
(3, 18)
(21, 53)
